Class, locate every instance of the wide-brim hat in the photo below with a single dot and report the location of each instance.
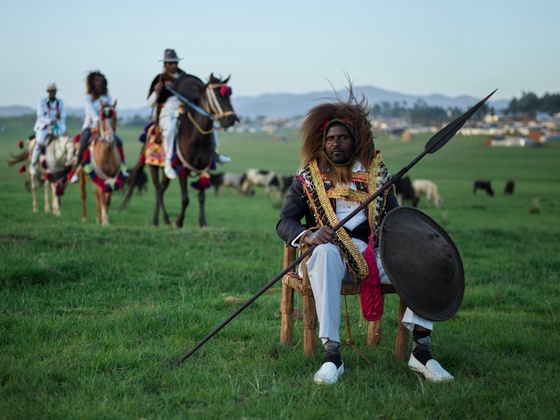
(422, 262)
(51, 86)
(170, 56)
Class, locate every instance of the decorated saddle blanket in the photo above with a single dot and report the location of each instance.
(154, 153)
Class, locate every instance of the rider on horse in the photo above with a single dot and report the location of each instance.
(167, 109)
(97, 94)
(51, 118)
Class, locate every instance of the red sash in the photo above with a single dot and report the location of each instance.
(370, 287)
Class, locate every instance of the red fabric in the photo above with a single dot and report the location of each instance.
(370, 287)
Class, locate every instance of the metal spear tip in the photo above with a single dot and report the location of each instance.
(439, 139)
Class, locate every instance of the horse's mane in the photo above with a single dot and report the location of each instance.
(189, 86)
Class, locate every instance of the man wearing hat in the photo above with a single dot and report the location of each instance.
(167, 107)
(341, 169)
(51, 117)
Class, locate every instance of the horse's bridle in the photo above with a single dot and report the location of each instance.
(212, 100)
(106, 132)
(213, 110)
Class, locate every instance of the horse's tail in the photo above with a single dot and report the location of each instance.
(133, 179)
(20, 157)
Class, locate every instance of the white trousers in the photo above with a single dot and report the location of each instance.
(327, 270)
(168, 125)
(41, 136)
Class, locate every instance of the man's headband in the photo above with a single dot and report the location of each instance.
(328, 124)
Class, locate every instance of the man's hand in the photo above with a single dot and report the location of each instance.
(158, 87)
(322, 236)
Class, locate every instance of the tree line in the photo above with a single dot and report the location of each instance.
(529, 104)
(423, 114)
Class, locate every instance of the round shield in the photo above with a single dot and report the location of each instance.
(422, 262)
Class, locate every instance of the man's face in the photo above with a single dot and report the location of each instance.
(171, 67)
(52, 94)
(339, 144)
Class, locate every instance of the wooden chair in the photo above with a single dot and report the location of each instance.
(292, 281)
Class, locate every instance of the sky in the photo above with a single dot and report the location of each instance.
(450, 47)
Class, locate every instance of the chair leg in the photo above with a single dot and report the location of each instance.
(403, 335)
(374, 330)
(287, 311)
(309, 326)
(374, 333)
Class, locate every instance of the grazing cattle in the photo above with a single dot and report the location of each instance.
(483, 185)
(286, 183)
(227, 179)
(510, 185)
(260, 178)
(429, 189)
(405, 192)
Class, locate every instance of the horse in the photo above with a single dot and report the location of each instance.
(429, 189)
(51, 172)
(103, 162)
(203, 105)
(483, 185)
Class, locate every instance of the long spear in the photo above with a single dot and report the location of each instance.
(435, 143)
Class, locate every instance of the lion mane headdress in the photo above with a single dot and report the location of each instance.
(351, 113)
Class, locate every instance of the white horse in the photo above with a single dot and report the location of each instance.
(429, 189)
(51, 170)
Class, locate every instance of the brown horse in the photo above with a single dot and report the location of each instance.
(103, 163)
(51, 171)
(207, 103)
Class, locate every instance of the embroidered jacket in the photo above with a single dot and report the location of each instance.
(313, 197)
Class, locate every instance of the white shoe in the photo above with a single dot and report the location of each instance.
(328, 374)
(223, 159)
(433, 372)
(32, 170)
(169, 171)
(74, 178)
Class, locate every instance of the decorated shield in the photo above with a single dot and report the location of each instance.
(422, 262)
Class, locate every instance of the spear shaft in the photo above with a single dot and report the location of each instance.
(436, 142)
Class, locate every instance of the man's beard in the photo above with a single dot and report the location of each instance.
(337, 174)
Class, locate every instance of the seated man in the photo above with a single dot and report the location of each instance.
(341, 169)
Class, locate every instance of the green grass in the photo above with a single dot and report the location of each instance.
(92, 319)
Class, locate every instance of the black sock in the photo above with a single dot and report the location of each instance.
(333, 357)
(332, 353)
(421, 346)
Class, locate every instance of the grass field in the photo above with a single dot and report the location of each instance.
(92, 318)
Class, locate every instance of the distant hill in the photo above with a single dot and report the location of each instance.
(291, 105)
(283, 105)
